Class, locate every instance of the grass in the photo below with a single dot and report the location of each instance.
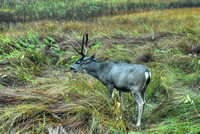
(25, 11)
(38, 93)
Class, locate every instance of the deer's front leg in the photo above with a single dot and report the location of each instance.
(121, 100)
(109, 90)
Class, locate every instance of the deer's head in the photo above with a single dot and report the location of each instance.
(83, 61)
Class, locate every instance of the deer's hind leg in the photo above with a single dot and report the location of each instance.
(137, 96)
(109, 90)
(143, 96)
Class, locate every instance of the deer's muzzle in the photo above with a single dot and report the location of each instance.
(71, 68)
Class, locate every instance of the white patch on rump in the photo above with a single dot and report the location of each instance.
(147, 75)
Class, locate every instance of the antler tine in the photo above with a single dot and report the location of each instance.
(86, 38)
(86, 49)
(82, 45)
(76, 49)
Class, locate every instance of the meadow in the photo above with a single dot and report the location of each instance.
(39, 93)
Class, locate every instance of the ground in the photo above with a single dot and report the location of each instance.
(39, 93)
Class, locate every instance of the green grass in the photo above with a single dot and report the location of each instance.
(33, 10)
(38, 93)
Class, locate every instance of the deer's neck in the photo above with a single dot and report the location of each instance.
(93, 69)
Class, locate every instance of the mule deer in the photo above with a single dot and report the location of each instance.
(124, 77)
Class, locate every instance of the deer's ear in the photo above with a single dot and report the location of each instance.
(92, 57)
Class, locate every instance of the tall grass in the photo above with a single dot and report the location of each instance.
(80, 105)
(32, 10)
(55, 99)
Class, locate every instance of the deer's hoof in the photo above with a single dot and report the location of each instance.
(138, 125)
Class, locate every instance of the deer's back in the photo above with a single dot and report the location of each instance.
(122, 75)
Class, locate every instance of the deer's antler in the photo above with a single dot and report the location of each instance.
(82, 46)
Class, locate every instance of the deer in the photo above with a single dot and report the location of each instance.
(122, 76)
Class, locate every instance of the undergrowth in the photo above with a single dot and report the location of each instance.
(38, 93)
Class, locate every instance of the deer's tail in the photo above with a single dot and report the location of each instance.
(147, 80)
(147, 77)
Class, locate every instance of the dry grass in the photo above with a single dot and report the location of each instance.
(134, 24)
(57, 100)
